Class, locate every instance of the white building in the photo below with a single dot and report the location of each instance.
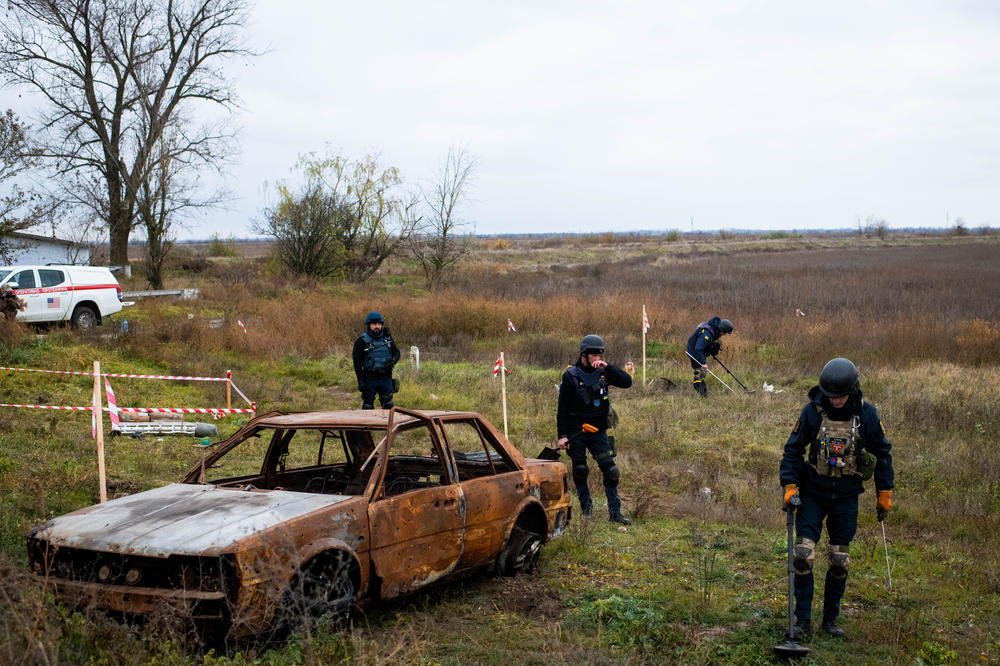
(41, 250)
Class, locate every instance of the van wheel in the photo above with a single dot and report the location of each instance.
(84, 318)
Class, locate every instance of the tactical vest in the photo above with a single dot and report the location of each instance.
(378, 353)
(591, 392)
(837, 448)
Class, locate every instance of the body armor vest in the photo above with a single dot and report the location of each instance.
(591, 392)
(378, 353)
(837, 447)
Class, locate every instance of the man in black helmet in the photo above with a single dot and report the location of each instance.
(583, 400)
(704, 342)
(837, 443)
(375, 354)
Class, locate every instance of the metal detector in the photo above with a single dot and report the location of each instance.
(748, 390)
(711, 373)
(790, 648)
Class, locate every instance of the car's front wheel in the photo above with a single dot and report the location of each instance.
(323, 589)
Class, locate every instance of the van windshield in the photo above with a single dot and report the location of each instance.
(4, 272)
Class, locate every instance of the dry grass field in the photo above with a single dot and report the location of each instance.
(699, 577)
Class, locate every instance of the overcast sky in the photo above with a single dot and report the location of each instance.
(597, 116)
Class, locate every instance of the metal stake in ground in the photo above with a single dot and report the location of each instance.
(732, 375)
(885, 545)
(711, 373)
(790, 648)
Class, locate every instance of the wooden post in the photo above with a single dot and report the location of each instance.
(99, 432)
(503, 392)
(229, 389)
(643, 345)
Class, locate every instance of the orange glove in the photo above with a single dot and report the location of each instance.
(791, 490)
(883, 504)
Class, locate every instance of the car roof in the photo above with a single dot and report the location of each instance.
(364, 418)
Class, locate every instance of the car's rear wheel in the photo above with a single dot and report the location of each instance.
(520, 555)
(84, 318)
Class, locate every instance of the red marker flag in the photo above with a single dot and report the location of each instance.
(799, 313)
(645, 320)
(112, 405)
(498, 366)
(510, 325)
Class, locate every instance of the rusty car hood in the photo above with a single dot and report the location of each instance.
(179, 519)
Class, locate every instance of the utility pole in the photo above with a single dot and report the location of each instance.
(692, 225)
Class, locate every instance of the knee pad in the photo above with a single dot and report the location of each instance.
(611, 473)
(840, 558)
(580, 473)
(803, 555)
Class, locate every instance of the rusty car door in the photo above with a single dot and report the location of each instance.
(492, 484)
(417, 513)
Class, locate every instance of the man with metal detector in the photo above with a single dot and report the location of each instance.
(704, 342)
(837, 444)
(375, 355)
(582, 421)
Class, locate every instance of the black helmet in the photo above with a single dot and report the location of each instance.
(726, 326)
(839, 378)
(374, 318)
(592, 344)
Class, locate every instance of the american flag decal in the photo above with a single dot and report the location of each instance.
(52, 302)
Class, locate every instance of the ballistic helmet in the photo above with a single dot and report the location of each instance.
(372, 318)
(726, 326)
(592, 344)
(839, 378)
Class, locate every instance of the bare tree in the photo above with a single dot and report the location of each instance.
(114, 74)
(19, 209)
(170, 193)
(439, 242)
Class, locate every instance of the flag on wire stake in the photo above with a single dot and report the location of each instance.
(112, 406)
(799, 313)
(242, 325)
(510, 325)
(645, 320)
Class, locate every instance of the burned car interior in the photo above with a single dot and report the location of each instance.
(341, 461)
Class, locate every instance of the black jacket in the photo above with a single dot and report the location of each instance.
(577, 395)
(704, 341)
(359, 357)
(796, 469)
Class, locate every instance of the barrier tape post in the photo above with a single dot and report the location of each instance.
(229, 389)
(98, 417)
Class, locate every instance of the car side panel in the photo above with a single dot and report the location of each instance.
(490, 503)
(417, 537)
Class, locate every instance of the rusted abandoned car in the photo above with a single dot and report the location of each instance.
(304, 514)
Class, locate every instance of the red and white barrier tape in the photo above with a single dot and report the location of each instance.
(118, 374)
(242, 395)
(147, 410)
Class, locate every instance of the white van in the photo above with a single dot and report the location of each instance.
(82, 295)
